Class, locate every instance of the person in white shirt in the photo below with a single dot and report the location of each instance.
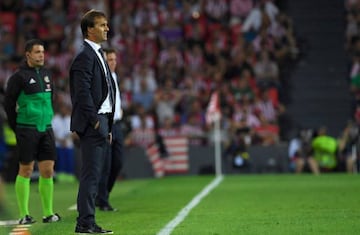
(65, 163)
(112, 168)
(264, 12)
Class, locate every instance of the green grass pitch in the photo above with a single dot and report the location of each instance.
(240, 204)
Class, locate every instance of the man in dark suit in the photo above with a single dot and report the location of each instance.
(92, 95)
(113, 165)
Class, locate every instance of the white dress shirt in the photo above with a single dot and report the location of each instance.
(106, 105)
(118, 110)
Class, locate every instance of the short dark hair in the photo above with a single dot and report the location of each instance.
(88, 20)
(109, 51)
(31, 43)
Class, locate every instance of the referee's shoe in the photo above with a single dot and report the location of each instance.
(52, 218)
(27, 220)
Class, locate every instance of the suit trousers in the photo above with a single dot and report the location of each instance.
(94, 146)
(112, 166)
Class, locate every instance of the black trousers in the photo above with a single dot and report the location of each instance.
(112, 166)
(94, 146)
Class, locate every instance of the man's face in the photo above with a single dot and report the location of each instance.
(98, 33)
(35, 58)
(111, 59)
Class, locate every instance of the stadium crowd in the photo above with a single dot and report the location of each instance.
(172, 55)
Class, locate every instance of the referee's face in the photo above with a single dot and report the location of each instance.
(36, 57)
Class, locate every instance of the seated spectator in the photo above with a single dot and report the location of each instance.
(141, 118)
(216, 11)
(194, 129)
(166, 99)
(144, 96)
(267, 133)
(170, 64)
(238, 42)
(266, 71)
(244, 113)
(268, 109)
(354, 77)
(352, 27)
(238, 64)
(300, 153)
(244, 117)
(241, 89)
(125, 90)
(169, 128)
(218, 41)
(348, 144)
(142, 136)
(171, 53)
(263, 14)
(226, 99)
(143, 72)
(193, 110)
(190, 86)
(285, 44)
(194, 59)
(263, 41)
(324, 150)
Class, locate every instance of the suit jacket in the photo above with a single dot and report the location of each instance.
(88, 89)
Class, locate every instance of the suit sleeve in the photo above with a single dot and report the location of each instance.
(81, 76)
(11, 95)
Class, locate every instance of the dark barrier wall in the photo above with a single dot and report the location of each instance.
(269, 159)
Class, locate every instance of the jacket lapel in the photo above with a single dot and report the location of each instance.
(97, 58)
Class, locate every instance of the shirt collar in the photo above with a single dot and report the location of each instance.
(93, 45)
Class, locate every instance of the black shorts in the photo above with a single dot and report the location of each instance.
(34, 145)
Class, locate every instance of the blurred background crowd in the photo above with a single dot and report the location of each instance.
(172, 55)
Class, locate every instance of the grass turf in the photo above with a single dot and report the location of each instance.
(241, 204)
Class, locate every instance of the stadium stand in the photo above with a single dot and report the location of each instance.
(172, 55)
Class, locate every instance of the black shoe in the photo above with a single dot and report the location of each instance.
(107, 208)
(94, 229)
(52, 218)
(27, 220)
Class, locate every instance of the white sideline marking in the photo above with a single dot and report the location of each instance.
(8, 222)
(73, 207)
(185, 211)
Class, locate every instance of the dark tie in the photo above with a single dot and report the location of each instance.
(108, 77)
